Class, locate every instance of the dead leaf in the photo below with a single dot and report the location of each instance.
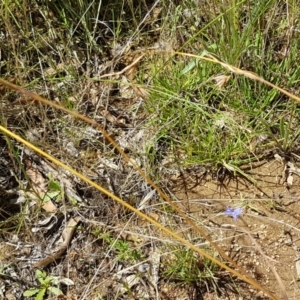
(141, 92)
(156, 12)
(107, 115)
(146, 199)
(298, 269)
(38, 181)
(221, 80)
(111, 118)
(65, 241)
(125, 88)
(154, 257)
(290, 179)
(39, 185)
(128, 282)
(49, 207)
(51, 71)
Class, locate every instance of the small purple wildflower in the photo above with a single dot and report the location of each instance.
(233, 212)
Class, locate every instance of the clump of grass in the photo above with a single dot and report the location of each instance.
(205, 124)
(185, 267)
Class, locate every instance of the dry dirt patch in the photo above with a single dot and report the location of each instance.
(267, 233)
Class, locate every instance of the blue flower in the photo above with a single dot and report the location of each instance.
(233, 212)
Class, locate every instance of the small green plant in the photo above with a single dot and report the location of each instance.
(185, 267)
(123, 248)
(47, 284)
(54, 190)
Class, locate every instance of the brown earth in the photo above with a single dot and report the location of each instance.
(271, 217)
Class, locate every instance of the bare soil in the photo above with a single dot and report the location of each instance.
(271, 217)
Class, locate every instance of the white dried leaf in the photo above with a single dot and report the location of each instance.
(109, 163)
(134, 162)
(90, 132)
(129, 282)
(71, 149)
(33, 135)
(220, 123)
(154, 257)
(125, 89)
(146, 199)
(290, 179)
(221, 80)
(292, 169)
(298, 268)
(162, 45)
(278, 157)
(66, 281)
(143, 268)
(42, 224)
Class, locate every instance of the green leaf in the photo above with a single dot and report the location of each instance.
(47, 281)
(50, 195)
(40, 295)
(54, 290)
(54, 186)
(190, 66)
(40, 275)
(72, 200)
(30, 292)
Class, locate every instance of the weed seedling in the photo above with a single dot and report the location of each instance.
(47, 284)
(124, 249)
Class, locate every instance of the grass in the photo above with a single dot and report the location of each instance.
(184, 266)
(212, 125)
(192, 112)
